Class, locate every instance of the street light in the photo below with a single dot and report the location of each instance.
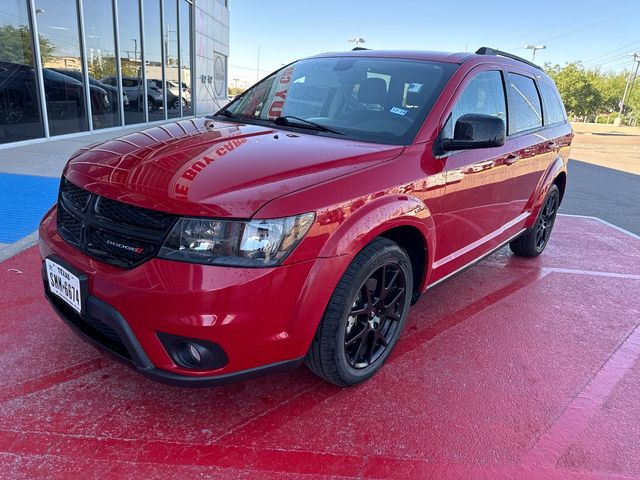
(356, 41)
(535, 48)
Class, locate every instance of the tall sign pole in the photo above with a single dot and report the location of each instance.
(632, 75)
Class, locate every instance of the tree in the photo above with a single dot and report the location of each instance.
(611, 86)
(577, 88)
(590, 92)
(15, 45)
(106, 66)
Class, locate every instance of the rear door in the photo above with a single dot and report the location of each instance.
(537, 147)
(476, 180)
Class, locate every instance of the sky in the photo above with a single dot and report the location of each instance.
(599, 33)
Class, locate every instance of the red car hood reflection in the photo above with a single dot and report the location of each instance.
(209, 168)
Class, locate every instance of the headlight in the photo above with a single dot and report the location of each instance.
(252, 243)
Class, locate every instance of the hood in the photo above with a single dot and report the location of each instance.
(207, 168)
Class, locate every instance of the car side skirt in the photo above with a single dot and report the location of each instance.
(473, 262)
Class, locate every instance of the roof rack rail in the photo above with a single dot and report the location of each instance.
(493, 51)
(355, 49)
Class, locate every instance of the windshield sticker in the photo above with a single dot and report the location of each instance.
(279, 93)
(399, 111)
(414, 88)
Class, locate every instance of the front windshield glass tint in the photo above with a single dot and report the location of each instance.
(370, 99)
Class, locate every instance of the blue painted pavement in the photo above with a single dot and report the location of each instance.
(24, 199)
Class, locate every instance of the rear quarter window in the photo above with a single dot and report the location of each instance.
(553, 107)
(525, 109)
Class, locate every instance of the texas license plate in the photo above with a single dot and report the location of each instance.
(64, 284)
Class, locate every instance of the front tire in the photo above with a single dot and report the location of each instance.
(533, 242)
(364, 317)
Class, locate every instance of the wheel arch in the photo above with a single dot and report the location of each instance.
(556, 173)
(561, 182)
(404, 219)
(412, 241)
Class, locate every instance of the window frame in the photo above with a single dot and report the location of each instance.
(461, 91)
(544, 104)
(526, 74)
(464, 83)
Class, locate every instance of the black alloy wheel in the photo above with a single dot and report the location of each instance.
(545, 221)
(365, 315)
(534, 240)
(374, 319)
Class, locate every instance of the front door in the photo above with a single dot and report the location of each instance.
(476, 202)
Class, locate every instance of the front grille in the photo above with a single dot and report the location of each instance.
(75, 195)
(117, 233)
(71, 224)
(132, 216)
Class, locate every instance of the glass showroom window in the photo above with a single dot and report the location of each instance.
(185, 58)
(153, 60)
(171, 58)
(101, 62)
(130, 60)
(20, 116)
(61, 62)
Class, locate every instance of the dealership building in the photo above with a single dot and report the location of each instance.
(72, 67)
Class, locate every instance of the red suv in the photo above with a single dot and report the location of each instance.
(300, 222)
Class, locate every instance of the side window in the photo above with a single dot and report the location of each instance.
(553, 108)
(525, 111)
(484, 94)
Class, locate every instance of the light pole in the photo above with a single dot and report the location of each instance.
(535, 48)
(258, 66)
(629, 85)
(356, 41)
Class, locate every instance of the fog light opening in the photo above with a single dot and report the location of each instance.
(193, 353)
(190, 354)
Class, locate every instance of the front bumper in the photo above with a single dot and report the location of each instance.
(263, 318)
(129, 351)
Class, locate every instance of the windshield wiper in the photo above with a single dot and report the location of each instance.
(286, 120)
(225, 113)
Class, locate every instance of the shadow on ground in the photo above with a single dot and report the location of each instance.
(602, 192)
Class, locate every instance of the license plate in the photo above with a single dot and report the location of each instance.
(64, 284)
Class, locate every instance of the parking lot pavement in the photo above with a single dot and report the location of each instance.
(514, 369)
(605, 193)
(604, 175)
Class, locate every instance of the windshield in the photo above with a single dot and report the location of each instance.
(370, 99)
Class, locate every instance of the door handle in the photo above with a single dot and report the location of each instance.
(511, 159)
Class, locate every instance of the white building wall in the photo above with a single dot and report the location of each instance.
(211, 45)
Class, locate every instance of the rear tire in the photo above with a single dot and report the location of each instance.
(364, 317)
(533, 242)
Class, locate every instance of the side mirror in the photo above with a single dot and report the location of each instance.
(475, 130)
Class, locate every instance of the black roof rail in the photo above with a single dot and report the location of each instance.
(493, 51)
(355, 49)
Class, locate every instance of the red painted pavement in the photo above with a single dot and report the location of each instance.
(514, 369)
